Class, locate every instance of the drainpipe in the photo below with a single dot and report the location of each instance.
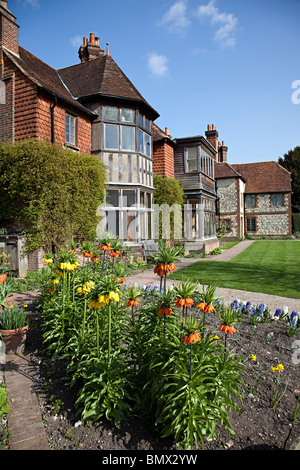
(52, 120)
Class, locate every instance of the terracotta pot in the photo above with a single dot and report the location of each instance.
(14, 340)
(3, 278)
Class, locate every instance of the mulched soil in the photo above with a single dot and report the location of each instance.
(258, 426)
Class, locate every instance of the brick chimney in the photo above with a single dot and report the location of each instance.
(90, 50)
(222, 153)
(212, 135)
(9, 30)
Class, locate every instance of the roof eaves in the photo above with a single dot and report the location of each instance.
(15, 59)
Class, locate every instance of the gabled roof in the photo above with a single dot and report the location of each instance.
(265, 177)
(260, 177)
(101, 76)
(43, 76)
(224, 170)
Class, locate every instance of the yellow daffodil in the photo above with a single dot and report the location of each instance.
(253, 357)
(48, 260)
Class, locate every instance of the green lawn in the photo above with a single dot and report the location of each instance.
(270, 267)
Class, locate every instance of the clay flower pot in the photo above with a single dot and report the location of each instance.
(3, 278)
(14, 340)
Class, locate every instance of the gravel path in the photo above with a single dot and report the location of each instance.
(229, 295)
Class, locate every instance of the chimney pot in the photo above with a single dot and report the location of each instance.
(97, 41)
(213, 127)
(208, 127)
(107, 48)
(92, 38)
(167, 131)
(85, 41)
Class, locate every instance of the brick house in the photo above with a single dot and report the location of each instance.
(254, 198)
(91, 107)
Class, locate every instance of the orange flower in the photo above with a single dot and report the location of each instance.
(227, 329)
(165, 311)
(114, 254)
(95, 260)
(133, 303)
(72, 251)
(191, 338)
(171, 267)
(206, 308)
(121, 281)
(187, 302)
(160, 270)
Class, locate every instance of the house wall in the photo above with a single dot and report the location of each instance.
(44, 102)
(228, 191)
(163, 159)
(18, 117)
(272, 221)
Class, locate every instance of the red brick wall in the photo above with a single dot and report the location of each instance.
(7, 111)
(9, 32)
(26, 114)
(163, 159)
(44, 103)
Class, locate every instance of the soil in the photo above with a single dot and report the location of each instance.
(257, 425)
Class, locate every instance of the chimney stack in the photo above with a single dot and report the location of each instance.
(9, 30)
(90, 50)
(222, 153)
(212, 135)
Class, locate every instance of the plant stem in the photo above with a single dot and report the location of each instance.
(84, 315)
(97, 318)
(109, 331)
(191, 359)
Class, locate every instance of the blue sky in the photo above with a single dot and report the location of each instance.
(234, 63)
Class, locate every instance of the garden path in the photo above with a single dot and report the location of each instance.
(229, 295)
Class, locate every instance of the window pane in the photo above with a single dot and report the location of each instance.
(192, 156)
(148, 146)
(111, 137)
(128, 198)
(128, 138)
(112, 197)
(127, 115)
(277, 199)
(111, 113)
(142, 198)
(147, 124)
(141, 141)
(141, 120)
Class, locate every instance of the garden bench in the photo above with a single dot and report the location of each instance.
(150, 248)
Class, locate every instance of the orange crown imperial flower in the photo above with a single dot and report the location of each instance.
(165, 311)
(133, 303)
(192, 338)
(187, 302)
(229, 329)
(206, 308)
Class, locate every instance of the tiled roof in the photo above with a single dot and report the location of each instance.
(224, 170)
(159, 134)
(264, 177)
(101, 76)
(43, 76)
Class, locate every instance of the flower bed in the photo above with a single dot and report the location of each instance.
(166, 356)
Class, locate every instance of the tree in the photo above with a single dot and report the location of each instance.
(291, 162)
(54, 193)
(167, 191)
